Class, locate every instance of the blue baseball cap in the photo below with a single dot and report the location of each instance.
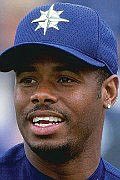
(70, 28)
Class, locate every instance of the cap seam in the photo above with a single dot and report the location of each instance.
(98, 32)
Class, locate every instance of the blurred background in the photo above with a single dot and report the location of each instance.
(11, 12)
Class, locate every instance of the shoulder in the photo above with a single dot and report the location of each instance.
(13, 155)
(13, 164)
(111, 172)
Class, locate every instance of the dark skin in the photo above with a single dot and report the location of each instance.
(73, 150)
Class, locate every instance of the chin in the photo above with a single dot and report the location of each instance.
(54, 153)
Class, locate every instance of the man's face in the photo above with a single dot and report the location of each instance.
(56, 103)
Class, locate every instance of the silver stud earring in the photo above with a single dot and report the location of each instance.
(108, 106)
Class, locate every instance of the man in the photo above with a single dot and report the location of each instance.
(65, 60)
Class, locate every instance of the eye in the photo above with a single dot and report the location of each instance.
(65, 79)
(28, 81)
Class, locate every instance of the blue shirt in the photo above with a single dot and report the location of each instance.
(14, 165)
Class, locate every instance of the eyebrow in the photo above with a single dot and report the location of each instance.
(20, 70)
(71, 67)
(75, 68)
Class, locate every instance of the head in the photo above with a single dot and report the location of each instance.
(65, 79)
(54, 84)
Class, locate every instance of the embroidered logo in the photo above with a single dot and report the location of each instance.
(49, 19)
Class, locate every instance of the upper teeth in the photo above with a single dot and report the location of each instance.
(50, 119)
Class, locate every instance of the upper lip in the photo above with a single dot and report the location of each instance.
(39, 113)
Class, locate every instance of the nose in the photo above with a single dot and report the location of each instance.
(43, 97)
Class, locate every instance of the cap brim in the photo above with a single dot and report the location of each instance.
(9, 57)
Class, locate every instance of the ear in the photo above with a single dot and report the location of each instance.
(110, 91)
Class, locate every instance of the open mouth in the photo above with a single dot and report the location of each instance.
(46, 121)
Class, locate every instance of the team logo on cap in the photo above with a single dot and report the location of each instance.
(49, 19)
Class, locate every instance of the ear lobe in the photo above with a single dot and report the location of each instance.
(110, 91)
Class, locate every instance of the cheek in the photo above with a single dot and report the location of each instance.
(77, 100)
(83, 106)
(21, 99)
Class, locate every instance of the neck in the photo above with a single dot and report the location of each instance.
(81, 167)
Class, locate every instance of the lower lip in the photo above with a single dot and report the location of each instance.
(51, 129)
